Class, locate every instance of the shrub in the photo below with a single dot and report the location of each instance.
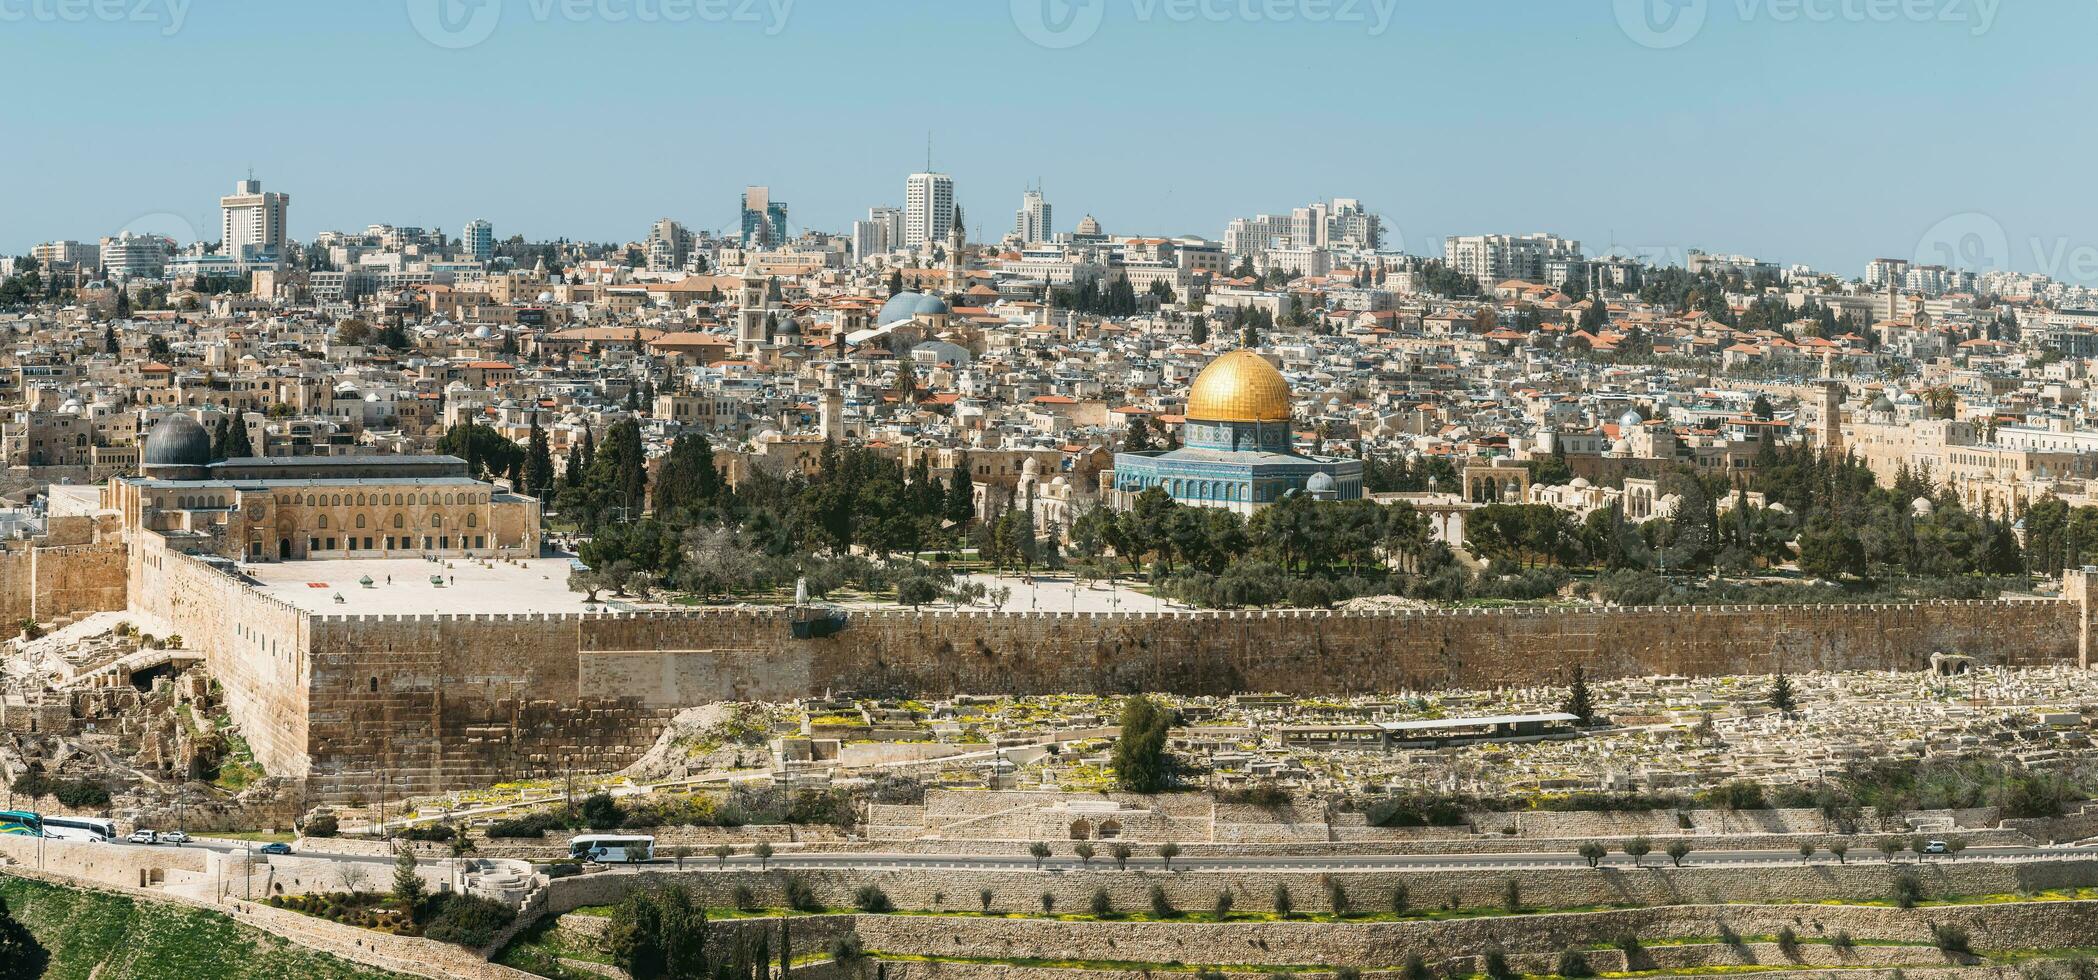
(1400, 899)
(1951, 938)
(1048, 903)
(1512, 896)
(1284, 905)
(1573, 964)
(562, 869)
(1628, 943)
(847, 949)
(81, 793)
(1907, 890)
(1336, 896)
(438, 833)
(800, 897)
(601, 812)
(870, 898)
(1842, 940)
(325, 825)
(1223, 905)
(1415, 968)
(744, 899)
(1103, 904)
(1161, 906)
(467, 920)
(1788, 941)
(1495, 965)
(528, 825)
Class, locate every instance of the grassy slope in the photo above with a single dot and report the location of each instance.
(113, 937)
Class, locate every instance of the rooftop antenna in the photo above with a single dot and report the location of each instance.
(928, 151)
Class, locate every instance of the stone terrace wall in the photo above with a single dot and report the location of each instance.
(1468, 888)
(446, 701)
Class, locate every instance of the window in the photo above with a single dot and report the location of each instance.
(324, 522)
(397, 521)
(360, 520)
(473, 519)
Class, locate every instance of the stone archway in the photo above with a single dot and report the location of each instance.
(1081, 830)
(1110, 829)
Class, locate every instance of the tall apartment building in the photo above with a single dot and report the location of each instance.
(1246, 236)
(251, 220)
(1493, 259)
(478, 240)
(764, 219)
(880, 233)
(928, 209)
(669, 245)
(1880, 272)
(1033, 221)
(1341, 223)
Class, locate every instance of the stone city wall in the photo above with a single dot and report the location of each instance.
(255, 646)
(430, 702)
(48, 583)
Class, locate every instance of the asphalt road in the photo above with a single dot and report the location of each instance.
(1063, 862)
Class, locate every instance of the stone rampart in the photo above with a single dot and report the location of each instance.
(46, 583)
(430, 702)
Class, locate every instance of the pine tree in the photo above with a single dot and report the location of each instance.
(961, 493)
(1578, 701)
(238, 445)
(1781, 696)
(539, 463)
(407, 884)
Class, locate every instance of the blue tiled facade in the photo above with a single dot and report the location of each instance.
(1241, 466)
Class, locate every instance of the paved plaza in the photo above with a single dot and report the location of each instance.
(404, 586)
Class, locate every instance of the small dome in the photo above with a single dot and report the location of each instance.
(901, 306)
(1922, 507)
(1581, 483)
(178, 441)
(1631, 419)
(1882, 404)
(1321, 483)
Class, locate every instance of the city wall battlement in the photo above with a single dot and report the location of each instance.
(393, 704)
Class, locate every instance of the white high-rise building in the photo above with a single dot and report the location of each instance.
(881, 233)
(669, 246)
(928, 209)
(1033, 222)
(251, 220)
(1494, 259)
(478, 239)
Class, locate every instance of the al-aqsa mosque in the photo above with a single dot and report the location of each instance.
(1237, 451)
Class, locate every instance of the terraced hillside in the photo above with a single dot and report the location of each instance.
(103, 936)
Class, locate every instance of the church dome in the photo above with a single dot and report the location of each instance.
(901, 306)
(177, 441)
(1239, 387)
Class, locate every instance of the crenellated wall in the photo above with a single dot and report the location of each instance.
(427, 701)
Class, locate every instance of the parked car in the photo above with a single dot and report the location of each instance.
(1935, 847)
(142, 837)
(171, 837)
(276, 847)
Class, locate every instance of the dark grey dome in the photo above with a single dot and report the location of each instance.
(177, 441)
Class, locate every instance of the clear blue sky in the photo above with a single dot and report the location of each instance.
(1765, 132)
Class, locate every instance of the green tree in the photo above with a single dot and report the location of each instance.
(1139, 758)
(686, 480)
(21, 957)
(407, 883)
(539, 462)
(1781, 695)
(1578, 702)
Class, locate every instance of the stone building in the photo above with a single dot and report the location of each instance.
(283, 509)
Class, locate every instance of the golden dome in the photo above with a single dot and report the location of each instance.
(1239, 387)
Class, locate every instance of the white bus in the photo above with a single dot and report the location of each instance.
(612, 848)
(81, 828)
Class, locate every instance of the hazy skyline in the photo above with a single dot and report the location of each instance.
(1818, 131)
